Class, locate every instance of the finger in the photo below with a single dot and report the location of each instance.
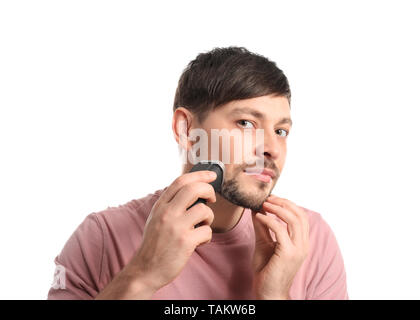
(293, 224)
(298, 211)
(197, 214)
(190, 177)
(288, 205)
(201, 235)
(280, 231)
(190, 193)
(262, 233)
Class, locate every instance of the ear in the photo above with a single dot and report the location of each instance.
(181, 126)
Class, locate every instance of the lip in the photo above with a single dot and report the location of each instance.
(266, 172)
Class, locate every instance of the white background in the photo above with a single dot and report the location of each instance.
(86, 93)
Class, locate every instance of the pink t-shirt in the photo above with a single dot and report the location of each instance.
(107, 240)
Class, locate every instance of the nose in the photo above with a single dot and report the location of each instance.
(270, 147)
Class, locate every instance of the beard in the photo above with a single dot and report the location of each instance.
(234, 192)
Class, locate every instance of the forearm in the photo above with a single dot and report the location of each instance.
(282, 297)
(127, 285)
(276, 298)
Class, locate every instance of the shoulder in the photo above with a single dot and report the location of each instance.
(316, 220)
(319, 229)
(122, 229)
(132, 214)
(102, 243)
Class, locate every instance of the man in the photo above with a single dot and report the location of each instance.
(244, 243)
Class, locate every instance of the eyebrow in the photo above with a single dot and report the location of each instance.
(258, 115)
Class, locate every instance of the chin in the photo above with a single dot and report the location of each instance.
(243, 193)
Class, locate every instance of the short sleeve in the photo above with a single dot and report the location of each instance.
(330, 281)
(79, 264)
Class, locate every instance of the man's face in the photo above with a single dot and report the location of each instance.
(267, 112)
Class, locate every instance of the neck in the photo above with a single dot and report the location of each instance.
(226, 214)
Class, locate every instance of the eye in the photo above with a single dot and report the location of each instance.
(243, 123)
(285, 133)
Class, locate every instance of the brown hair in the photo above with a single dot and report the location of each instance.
(222, 75)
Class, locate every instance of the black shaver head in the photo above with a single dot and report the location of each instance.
(212, 165)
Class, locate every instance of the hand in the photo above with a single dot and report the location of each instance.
(276, 263)
(169, 236)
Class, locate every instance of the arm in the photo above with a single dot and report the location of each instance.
(127, 285)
